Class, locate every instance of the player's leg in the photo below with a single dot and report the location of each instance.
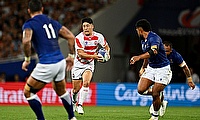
(31, 88)
(156, 90)
(87, 76)
(162, 107)
(143, 86)
(164, 76)
(59, 86)
(60, 89)
(76, 86)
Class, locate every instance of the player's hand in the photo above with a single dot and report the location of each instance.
(134, 59)
(191, 85)
(25, 65)
(100, 58)
(97, 57)
(70, 63)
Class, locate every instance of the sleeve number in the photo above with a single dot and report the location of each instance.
(49, 30)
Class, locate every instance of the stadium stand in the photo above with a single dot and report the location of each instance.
(13, 15)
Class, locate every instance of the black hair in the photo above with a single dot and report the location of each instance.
(144, 24)
(167, 43)
(88, 20)
(35, 5)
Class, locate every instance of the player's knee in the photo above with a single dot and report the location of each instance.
(75, 90)
(140, 91)
(86, 84)
(28, 89)
(155, 94)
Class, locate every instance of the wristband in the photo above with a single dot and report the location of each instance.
(189, 79)
(71, 55)
(27, 59)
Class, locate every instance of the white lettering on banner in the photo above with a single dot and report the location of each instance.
(173, 94)
(12, 96)
(129, 94)
(48, 95)
(180, 94)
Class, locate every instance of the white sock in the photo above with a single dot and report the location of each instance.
(83, 94)
(66, 97)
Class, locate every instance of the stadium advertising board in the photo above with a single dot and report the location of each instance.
(126, 95)
(12, 94)
(104, 94)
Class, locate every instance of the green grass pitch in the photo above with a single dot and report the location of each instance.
(99, 113)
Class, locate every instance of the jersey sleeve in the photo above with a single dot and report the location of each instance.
(178, 58)
(102, 40)
(26, 25)
(79, 42)
(155, 42)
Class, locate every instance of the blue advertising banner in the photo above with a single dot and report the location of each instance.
(109, 94)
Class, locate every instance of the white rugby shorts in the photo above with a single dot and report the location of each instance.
(49, 72)
(79, 68)
(158, 75)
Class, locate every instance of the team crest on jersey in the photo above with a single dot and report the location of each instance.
(86, 42)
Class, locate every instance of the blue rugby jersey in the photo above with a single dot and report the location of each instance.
(159, 60)
(45, 38)
(175, 58)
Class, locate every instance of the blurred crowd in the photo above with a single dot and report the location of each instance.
(14, 14)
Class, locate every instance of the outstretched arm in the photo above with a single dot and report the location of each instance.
(139, 57)
(152, 52)
(187, 72)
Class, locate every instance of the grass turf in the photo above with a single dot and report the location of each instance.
(99, 113)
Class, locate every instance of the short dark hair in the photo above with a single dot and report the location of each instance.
(144, 24)
(88, 20)
(35, 5)
(167, 43)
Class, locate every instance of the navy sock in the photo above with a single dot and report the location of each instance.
(67, 102)
(37, 108)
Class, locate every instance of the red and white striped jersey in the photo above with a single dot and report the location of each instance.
(89, 44)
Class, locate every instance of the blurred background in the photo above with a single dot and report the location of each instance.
(177, 21)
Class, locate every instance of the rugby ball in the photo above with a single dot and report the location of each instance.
(103, 54)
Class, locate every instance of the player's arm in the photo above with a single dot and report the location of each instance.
(82, 54)
(186, 70)
(188, 75)
(26, 41)
(152, 52)
(107, 48)
(144, 65)
(69, 36)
